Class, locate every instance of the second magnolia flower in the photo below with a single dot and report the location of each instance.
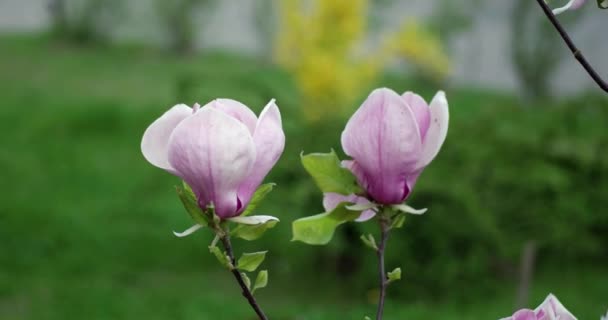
(222, 150)
(391, 139)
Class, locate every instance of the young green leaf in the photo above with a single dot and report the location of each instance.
(394, 275)
(246, 280)
(251, 261)
(221, 257)
(319, 229)
(252, 232)
(260, 193)
(190, 204)
(328, 174)
(369, 241)
(261, 280)
(398, 221)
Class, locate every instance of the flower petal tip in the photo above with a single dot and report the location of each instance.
(188, 231)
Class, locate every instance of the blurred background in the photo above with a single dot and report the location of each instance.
(517, 197)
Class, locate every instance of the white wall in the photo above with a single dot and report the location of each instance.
(480, 56)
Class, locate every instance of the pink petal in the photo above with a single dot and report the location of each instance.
(554, 309)
(213, 153)
(155, 142)
(438, 130)
(384, 140)
(421, 111)
(524, 314)
(269, 141)
(236, 110)
(332, 200)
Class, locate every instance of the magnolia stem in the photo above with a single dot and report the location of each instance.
(384, 231)
(575, 51)
(237, 275)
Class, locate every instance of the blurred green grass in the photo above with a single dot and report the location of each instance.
(85, 223)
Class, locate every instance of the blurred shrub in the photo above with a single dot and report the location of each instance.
(84, 21)
(320, 43)
(450, 18)
(177, 17)
(421, 49)
(317, 43)
(536, 49)
(506, 175)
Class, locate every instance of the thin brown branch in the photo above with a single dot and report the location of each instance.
(384, 232)
(575, 51)
(237, 275)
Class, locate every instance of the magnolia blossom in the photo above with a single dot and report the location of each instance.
(222, 150)
(550, 309)
(571, 5)
(391, 138)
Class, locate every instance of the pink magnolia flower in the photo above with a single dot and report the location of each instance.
(550, 309)
(391, 139)
(222, 150)
(571, 5)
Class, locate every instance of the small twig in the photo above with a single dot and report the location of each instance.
(575, 51)
(237, 275)
(384, 232)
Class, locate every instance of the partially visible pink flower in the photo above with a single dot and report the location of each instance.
(550, 309)
(571, 5)
(222, 150)
(391, 139)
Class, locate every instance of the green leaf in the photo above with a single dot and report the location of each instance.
(246, 280)
(251, 261)
(188, 199)
(319, 229)
(260, 193)
(367, 318)
(261, 280)
(398, 221)
(394, 275)
(369, 241)
(252, 232)
(221, 257)
(328, 174)
(602, 4)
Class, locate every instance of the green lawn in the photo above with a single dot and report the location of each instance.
(85, 221)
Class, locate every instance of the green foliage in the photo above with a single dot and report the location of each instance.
(369, 241)
(84, 21)
(394, 275)
(398, 221)
(179, 20)
(319, 229)
(191, 205)
(260, 281)
(221, 257)
(246, 280)
(251, 261)
(258, 196)
(329, 175)
(96, 239)
(253, 232)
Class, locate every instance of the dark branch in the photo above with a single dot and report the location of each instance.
(577, 53)
(384, 231)
(237, 275)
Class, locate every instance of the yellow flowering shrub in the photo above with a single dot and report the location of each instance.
(319, 42)
(420, 48)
